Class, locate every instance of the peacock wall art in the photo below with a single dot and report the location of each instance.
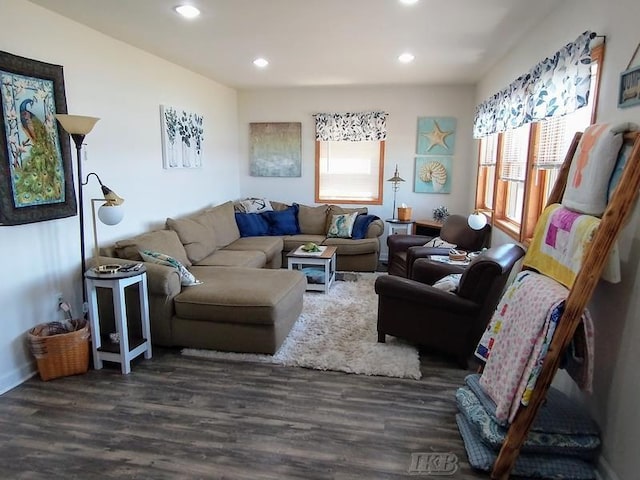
(33, 150)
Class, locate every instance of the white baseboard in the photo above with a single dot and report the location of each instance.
(14, 378)
(604, 471)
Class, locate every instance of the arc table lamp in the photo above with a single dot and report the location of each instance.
(477, 220)
(111, 212)
(395, 180)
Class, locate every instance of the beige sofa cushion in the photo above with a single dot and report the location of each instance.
(162, 241)
(291, 242)
(236, 295)
(270, 246)
(223, 220)
(234, 258)
(313, 220)
(198, 237)
(348, 246)
(277, 206)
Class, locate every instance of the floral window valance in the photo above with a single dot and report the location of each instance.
(556, 86)
(352, 127)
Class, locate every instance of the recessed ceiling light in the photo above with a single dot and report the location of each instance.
(408, 2)
(187, 11)
(406, 58)
(261, 62)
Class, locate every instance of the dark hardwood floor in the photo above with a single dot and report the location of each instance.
(178, 417)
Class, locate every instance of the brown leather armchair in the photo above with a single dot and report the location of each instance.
(447, 322)
(405, 249)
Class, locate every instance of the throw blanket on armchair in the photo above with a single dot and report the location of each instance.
(518, 337)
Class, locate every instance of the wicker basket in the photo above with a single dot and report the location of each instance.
(60, 348)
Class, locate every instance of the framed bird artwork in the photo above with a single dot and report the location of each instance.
(36, 174)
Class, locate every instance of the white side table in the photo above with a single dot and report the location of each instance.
(134, 345)
(326, 259)
(399, 226)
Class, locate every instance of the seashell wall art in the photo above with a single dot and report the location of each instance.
(435, 145)
(433, 174)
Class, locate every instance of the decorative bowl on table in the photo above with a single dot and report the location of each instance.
(457, 255)
(310, 247)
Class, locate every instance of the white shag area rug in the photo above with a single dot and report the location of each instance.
(337, 332)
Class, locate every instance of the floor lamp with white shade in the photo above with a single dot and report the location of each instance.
(78, 126)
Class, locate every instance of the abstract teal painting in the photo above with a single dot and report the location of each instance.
(275, 149)
(436, 136)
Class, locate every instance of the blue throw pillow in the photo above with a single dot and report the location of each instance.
(283, 222)
(361, 226)
(252, 224)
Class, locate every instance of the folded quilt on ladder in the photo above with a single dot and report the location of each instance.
(561, 239)
(518, 337)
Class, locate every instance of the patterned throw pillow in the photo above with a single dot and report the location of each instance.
(341, 226)
(255, 205)
(437, 242)
(186, 277)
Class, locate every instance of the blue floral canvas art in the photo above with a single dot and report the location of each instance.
(182, 137)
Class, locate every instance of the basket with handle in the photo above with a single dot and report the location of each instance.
(60, 348)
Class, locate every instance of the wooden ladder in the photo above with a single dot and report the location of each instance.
(618, 209)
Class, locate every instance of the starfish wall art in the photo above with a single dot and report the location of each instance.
(436, 136)
(435, 144)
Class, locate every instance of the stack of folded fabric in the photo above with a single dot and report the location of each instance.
(563, 441)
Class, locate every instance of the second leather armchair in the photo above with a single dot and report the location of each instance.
(405, 249)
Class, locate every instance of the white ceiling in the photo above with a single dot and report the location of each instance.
(318, 42)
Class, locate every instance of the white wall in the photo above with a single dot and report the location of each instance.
(615, 308)
(125, 87)
(403, 104)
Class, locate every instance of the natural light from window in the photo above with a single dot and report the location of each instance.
(349, 171)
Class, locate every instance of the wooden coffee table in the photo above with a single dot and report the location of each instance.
(322, 264)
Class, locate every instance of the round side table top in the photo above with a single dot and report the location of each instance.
(91, 273)
(397, 220)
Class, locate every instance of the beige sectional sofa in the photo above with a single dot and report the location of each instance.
(246, 302)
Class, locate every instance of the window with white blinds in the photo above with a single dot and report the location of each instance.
(556, 133)
(487, 161)
(515, 150)
(349, 172)
(489, 150)
(517, 169)
(554, 137)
